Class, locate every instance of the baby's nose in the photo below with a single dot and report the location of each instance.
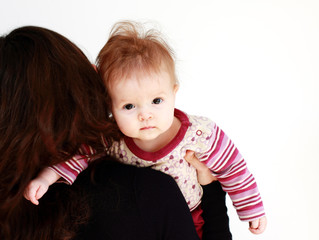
(145, 116)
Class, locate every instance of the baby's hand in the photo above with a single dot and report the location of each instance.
(39, 186)
(258, 226)
(36, 189)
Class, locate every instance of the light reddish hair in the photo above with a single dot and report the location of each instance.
(131, 50)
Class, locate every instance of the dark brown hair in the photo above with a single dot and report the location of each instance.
(51, 101)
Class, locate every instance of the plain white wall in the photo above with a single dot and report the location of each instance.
(251, 66)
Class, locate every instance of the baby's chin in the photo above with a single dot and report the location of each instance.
(149, 135)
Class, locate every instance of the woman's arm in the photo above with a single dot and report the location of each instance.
(213, 202)
(163, 206)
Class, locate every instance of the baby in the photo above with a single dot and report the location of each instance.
(138, 70)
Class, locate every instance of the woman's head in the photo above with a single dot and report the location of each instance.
(51, 101)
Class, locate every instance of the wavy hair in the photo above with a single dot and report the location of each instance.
(132, 49)
(51, 101)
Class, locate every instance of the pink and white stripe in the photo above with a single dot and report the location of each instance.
(227, 164)
(70, 169)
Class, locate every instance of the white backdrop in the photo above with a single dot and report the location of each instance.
(251, 66)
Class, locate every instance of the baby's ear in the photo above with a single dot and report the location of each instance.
(94, 66)
(176, 87)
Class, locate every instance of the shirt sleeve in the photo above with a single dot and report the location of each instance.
(228, 165)
(70, 169)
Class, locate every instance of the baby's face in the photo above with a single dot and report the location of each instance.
(143, 105)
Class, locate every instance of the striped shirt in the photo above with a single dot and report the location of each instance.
(210, 144)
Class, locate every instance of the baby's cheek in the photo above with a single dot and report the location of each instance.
(119, 121)
(126, 127)
(122, 126)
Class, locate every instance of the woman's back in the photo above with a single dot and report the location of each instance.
(114, 201)
(134, 203)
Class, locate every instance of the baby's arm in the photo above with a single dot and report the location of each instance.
(68, 171)
(39, 186)
(228, 165)
(205, 177)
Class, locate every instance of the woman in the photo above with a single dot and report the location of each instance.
(51, 102)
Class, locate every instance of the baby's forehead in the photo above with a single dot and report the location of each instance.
(139, 90)
(159, 76)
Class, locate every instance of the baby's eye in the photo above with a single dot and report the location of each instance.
(129, 106)
(157, 101)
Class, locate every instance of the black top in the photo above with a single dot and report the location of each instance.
(134, 203)
(112, 201)
(216, 226)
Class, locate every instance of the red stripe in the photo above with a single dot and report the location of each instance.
(231, 158)
(216, 141)
(260, 204)
(237, 175)
(76, 165)
(231, 174)
(67, 178)
(239, 191)
(223, 156)
(253, 217)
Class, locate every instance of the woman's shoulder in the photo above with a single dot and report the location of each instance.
(110, 168)
(136, 202)
(118, 180)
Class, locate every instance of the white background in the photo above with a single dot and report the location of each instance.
(251, 66)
